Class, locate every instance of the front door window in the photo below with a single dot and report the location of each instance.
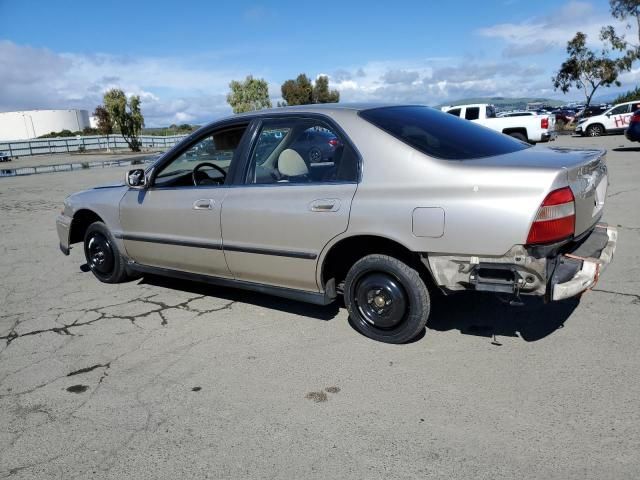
(205, 163)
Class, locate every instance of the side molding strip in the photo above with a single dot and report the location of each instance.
(218, 246)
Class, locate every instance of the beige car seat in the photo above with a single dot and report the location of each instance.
(291, 164)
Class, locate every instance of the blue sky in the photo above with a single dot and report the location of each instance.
(180, 56)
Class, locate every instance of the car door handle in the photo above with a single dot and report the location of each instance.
(204, 204)
(325, 205)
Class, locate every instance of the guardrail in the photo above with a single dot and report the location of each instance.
(40, 146)
(66, 167)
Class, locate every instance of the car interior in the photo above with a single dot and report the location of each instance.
(275, 158)
(279, 162)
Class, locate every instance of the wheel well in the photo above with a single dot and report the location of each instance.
(81, 221)
(522, 131)
(348, 251)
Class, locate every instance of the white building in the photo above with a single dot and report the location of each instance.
(34, 123)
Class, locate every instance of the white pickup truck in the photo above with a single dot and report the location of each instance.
(528, 128)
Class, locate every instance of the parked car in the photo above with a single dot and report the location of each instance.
(633, 130)
(316, 145)
(4, 157)
(528, 128)
(612, 120)
(564, 115)
(369, 226)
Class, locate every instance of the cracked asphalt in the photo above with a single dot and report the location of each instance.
(160, 378)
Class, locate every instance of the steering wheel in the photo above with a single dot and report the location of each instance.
(197, 168)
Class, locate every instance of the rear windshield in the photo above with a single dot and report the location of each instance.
(439, 134)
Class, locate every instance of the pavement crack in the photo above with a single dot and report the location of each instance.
(89, 369)
(621, 192)
(66, 329)
(635, 296)
(59, 330)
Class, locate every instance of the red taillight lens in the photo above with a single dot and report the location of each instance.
(556, 218)
(635, 118)
(333, 142)
(544, 123)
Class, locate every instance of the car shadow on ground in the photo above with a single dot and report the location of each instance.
(626, 149)
(476, 314)
(245, 296)
(486, 315)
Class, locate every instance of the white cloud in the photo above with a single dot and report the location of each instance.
(538, 35)
(171, 89)
(438, 80)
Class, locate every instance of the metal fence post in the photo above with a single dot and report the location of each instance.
(66, 142)
(10, 151)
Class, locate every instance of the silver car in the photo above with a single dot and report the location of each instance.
(412, 201)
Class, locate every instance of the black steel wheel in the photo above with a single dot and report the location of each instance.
(387, 300)
(381, 299)
(102, 254)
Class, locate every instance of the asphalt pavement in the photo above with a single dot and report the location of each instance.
(169, 379)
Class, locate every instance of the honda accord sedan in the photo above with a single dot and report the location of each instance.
(412, 201)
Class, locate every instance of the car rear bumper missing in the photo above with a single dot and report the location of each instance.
(521, 271)
(579, 270)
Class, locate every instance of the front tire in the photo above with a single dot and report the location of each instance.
(387, 300)
(595, 130)
(102, 254)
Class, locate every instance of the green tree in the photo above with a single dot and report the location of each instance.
(629, 11)
(298, 91)
(630, 96)
(105, 125)
(249, 95)
(125, 114)
(585, 69)
(321, 92)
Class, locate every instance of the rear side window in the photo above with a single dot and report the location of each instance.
(441, 135)
(472, 113)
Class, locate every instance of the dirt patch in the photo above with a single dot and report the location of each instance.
(317, 397)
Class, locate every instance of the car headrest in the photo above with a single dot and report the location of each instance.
(291, 164)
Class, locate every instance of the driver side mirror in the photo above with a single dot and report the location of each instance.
(137, 179)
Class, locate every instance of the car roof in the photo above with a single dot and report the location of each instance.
(318, 108)
(322, 107)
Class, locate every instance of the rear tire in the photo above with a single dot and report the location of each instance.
(387, 300)
(595, 130)
(102, 254)
(519, 136)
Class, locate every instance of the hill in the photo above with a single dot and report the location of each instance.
(506, 103)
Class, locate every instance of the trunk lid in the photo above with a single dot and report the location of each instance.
(583, 170)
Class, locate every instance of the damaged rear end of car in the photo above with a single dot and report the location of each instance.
(565, 247)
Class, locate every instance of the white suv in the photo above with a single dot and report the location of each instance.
(614, 120)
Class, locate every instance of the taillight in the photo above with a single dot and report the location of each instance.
(333, 142)
(544, 122)
(635, 118)
(556, 218)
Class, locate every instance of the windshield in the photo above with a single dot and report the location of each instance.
(441, 135)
